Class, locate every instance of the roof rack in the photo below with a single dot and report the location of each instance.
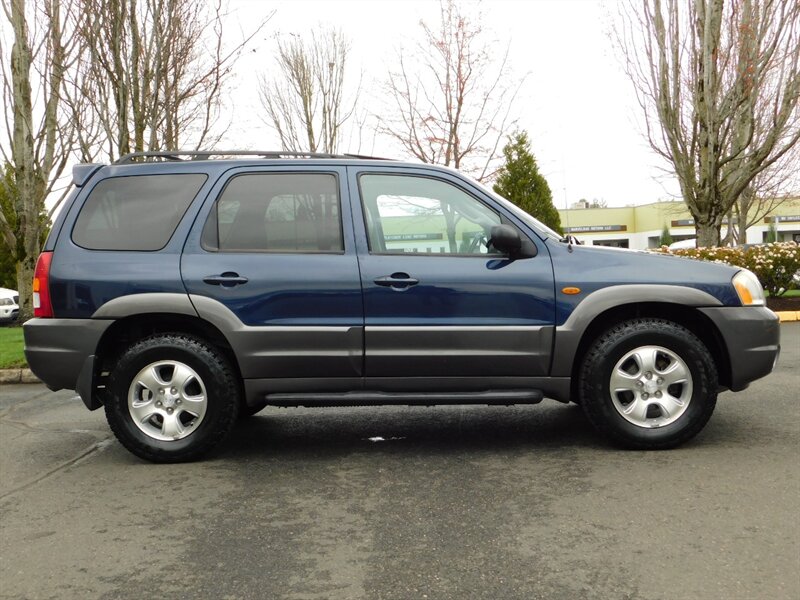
(176, 155)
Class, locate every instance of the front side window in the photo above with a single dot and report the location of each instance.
(139, 212)
(408, 214)
(277, 212)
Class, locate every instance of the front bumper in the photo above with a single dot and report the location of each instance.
(58, 349)
(752, 336)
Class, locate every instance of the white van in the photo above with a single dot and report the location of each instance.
(9, 305)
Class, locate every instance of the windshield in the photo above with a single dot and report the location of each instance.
(528, 219)
(532, 222)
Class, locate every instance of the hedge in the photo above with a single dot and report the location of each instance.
(776, 265)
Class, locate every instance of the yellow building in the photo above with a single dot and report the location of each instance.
(640, 227)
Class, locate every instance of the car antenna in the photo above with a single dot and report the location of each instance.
(566, 215)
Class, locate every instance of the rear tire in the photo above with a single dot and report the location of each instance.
(173, 397)
(648, 384)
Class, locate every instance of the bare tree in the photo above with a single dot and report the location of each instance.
(156, 70)
(718, 84)
(451, 96)
(305, 103)
(769, 189)
(39, 134)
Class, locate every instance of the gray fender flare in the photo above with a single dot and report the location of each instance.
(569, 335)
(151, 302)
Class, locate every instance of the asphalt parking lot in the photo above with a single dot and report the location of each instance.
(451, 502)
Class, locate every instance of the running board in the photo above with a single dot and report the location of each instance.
(501, 397)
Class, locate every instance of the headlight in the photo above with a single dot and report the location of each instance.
(6, 302)
(749, 288)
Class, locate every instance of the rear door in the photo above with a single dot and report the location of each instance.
(271, 261)
(437, 301)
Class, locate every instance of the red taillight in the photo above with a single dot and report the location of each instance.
(42, 307)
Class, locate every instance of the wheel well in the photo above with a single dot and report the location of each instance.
(123, 332)
(687, 316)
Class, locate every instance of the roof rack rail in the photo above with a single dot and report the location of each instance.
(176, 155)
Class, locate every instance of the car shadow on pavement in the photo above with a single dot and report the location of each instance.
(436, 430)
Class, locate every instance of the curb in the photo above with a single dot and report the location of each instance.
(20, 375)
(25, 375)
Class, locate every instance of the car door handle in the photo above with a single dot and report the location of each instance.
(227, 279)
(396, 280)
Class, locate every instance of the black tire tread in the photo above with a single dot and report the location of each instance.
(600, 350)
(214, 360)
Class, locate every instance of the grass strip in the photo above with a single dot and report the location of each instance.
(11, 344)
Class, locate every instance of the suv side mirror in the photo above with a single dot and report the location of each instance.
(507, 240)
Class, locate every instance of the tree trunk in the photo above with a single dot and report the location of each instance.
(746, 199)
(25, 270)
(22, 151)
(40, 138)
(707, 234)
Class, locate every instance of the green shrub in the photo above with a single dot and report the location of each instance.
(774, 264)
(772, 233)
(666, 236)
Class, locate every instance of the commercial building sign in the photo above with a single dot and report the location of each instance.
(595, 228)
(782, 219)
(405, 237)
(690, 222)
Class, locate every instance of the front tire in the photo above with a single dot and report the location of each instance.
(648, 384)
(173, 397)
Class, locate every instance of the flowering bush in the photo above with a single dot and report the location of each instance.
(776, 265)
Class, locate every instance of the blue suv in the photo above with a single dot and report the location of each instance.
(181, 291)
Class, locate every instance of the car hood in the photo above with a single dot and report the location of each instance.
(595, 267)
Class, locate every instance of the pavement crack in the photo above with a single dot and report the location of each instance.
(58, 468)
(5, 413)
(23, 426)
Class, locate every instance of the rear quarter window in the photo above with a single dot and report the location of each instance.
(138, 212)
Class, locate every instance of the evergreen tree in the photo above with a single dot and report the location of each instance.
(666, 236)
(8, 256)
(11, 242)
(520, 182)
(772, 233)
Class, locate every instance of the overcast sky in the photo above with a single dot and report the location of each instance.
(576, 103)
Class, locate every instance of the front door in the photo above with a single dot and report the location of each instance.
(437, 301)
(271, 262)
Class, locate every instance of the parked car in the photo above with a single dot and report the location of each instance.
(181, 291)
(683, 244)
(9, 305)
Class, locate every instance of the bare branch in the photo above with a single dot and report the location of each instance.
(160, 66)
(718, 84)
(40, 139)
(305, 101)
(450, 97)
